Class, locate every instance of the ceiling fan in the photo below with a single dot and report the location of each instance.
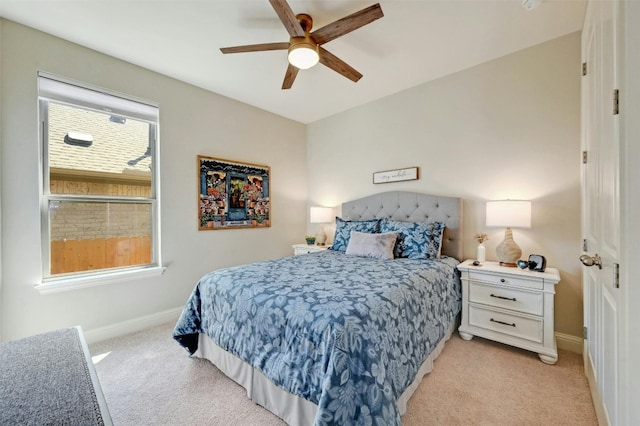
(305, 47)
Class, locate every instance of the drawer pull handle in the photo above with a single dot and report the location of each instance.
(504, 298)
(503, 323)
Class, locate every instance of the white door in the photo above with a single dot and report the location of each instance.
(601, 217)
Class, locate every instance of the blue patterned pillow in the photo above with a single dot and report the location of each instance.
(344, 228)
(415, 240)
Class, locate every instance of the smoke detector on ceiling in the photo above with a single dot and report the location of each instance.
(531, 4)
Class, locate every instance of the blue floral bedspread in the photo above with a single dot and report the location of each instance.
(347, 333)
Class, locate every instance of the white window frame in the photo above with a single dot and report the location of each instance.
(52, 88)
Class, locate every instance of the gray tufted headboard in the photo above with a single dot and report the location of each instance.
(413, 207)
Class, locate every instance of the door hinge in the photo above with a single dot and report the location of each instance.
(616, 275)
(585, 245)
(584, 68)
(585, 334)
(584, 157)
(616, 102)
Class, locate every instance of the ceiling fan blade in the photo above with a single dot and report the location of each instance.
(289, 77)
(347, 24)
(287, 17)
(256, 47)
(330, 60)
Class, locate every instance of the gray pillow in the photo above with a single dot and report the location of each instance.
(378, 246)
(344, 228)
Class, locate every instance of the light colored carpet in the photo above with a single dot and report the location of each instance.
(148, 379)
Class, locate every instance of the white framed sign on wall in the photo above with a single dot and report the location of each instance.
(387, 176)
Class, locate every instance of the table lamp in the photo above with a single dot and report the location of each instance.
(509, 213)
(321, 215)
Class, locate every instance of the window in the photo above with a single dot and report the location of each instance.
(99, 198)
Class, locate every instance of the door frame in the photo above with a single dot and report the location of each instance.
(629, 318)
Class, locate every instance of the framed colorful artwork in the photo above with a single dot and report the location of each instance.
(232, 194)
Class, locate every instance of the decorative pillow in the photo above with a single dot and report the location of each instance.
(415, 240)
(379, 246)
(344, 228)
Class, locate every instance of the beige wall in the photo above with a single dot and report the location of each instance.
(509, 128)
(192, 122)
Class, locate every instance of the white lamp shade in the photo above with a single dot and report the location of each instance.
(321, 215)
(303, 57)
(509, 213)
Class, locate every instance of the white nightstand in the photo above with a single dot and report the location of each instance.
(510, 305)
(306, 248)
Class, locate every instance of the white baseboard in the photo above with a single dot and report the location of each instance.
(131, 326)
(569, 342)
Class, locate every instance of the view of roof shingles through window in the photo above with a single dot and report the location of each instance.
(106, 159)
(119, 150)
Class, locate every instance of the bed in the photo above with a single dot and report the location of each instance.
(330, 337)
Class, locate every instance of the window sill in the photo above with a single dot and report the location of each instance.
(57, 285)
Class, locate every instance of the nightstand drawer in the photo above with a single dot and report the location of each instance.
(305, 250)
(513, 325)
(506, 280)
(507, 298)
(299, 249)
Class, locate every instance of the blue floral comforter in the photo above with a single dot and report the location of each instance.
(347, 333)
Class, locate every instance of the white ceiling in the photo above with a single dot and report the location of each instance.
(416, 41)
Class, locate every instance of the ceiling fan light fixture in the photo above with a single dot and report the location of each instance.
(303, 48)
(303, 55)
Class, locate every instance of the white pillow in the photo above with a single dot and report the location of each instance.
(378, 246)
